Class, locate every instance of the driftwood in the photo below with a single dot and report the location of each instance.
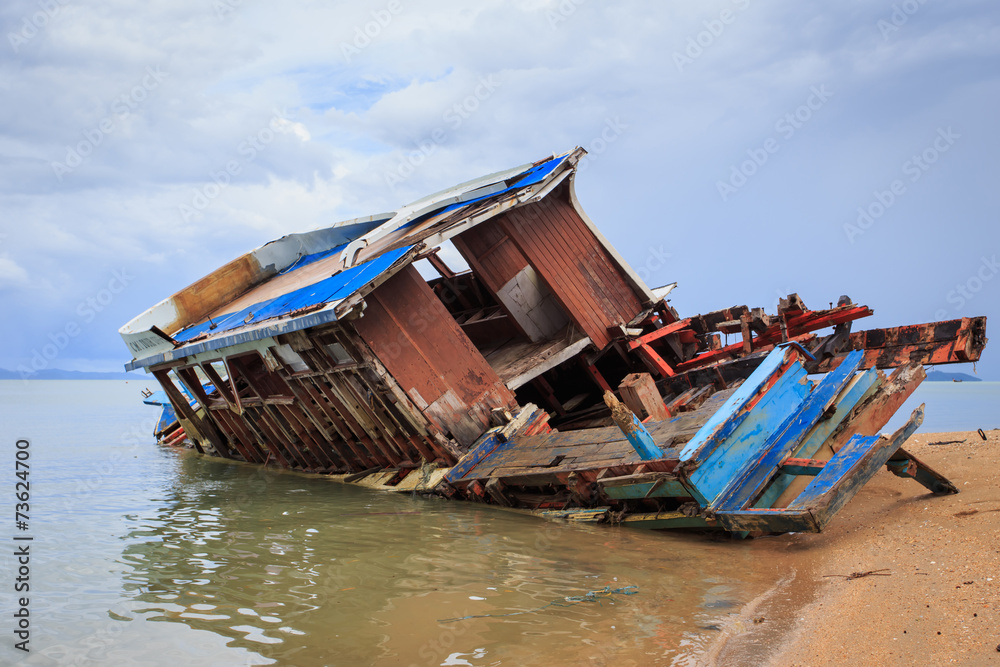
(884, 572)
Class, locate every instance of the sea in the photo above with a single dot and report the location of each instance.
(128, 553)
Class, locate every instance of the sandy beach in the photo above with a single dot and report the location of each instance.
(900, 577)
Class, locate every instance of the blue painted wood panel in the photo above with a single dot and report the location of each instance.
(864, 384)
(781, 442)
(733, 411)
(728, 457)
(835, 470)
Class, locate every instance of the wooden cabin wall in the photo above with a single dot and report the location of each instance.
(424, 349)
(491, 254)
(508, 274)
(551, 236)
(320, 415)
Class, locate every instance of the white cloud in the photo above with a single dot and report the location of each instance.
(344, 124)
(11, 273)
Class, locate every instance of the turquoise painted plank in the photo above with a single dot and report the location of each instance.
(728, 417)
(841, 478)
(798, 471)
(642, 441)
(716, 471)
(783, 440)
(863, 386)
(670, 488)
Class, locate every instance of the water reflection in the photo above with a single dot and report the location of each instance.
(303, 571)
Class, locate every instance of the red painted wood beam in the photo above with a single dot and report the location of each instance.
(797, 326)
(655, 360)
(645, 339)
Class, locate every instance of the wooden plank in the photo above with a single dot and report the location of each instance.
(727, 441)
(183, 409)
(666, 330)
(768, 520)
(574, 264)
(665, 487)
(950, 341)
(528, 364)
(851, 468)
(640, 395)
(809, 467)
(273, 434)
(264, 438)
(905, 464)
(301, 433)
(352, 432)
(780, 443)
(637, 435)
(241, 438)
(858, 390)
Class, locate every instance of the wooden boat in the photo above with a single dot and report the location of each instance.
(548, 376)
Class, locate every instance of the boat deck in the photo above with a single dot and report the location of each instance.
(533, 460)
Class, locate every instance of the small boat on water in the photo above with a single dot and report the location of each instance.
(547, 376)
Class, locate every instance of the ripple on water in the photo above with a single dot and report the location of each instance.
(240, 565)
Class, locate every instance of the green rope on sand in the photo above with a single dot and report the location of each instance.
(591, 596)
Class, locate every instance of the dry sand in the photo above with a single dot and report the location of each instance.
(934, 595)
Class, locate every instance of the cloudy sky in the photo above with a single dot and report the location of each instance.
(743, 149)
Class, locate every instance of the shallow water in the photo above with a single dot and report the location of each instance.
(953, 406)
(143, 555)
(149, 556)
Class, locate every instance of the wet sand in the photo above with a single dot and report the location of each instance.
(933, 595)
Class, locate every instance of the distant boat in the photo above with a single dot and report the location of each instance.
(956, 380)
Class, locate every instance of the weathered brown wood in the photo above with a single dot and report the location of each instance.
(388, 433)
(304, 401)
(745, 332)
(264, 440)
(273, 438)
(246, 449)
(268, 414)
(297, 422)
(347, 433)
(404, 405)
(366, 421)
(639, 394)
(495, 489)
(361, 437)
(946, 342)
(873, 414)
(867, 418)
(425, 350)
(250, 438)
(183, 408)
(337, 440)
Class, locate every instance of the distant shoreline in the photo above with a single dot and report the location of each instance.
(941, 376)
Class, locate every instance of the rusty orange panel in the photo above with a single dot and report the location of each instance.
(424, 349)
(491, 254)
(566, 254)
(947, 342)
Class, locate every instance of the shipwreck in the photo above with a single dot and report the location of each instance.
(547, 377)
